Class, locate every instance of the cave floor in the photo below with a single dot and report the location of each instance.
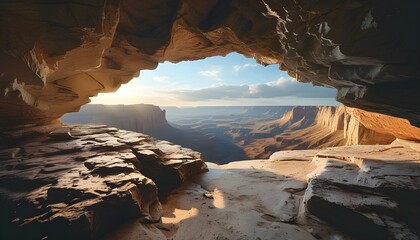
(256, 199)
(356, 192)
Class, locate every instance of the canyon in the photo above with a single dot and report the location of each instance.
(94, 181)
(225, 134)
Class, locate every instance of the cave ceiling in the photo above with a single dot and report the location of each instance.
(55, 55)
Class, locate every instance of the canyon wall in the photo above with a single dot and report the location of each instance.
(354, 131)
(309, 127)
(138, 118)
(54, 56)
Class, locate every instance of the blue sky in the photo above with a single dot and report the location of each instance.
(217, 81)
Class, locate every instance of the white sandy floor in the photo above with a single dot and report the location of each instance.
(256, 199)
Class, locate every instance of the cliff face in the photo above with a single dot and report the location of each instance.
(138, 118)
(398, 127)
(54, 56)
(354, 131)
(311, 127)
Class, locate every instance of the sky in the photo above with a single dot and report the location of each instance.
(217, 81)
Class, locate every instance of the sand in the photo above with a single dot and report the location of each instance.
(251, 200)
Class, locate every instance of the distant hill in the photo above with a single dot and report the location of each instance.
(138, 117)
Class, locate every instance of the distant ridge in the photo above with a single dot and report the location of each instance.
(137, 117)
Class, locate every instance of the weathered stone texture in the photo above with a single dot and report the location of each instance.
(83, 187)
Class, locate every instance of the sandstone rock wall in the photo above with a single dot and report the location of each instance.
(55, 55)
(398, 127)
(354, 132)
(310, 127)
(337, 121)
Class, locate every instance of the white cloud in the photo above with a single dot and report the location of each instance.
(237, 68)
(161, 79)
(211, 74)
(282, 87)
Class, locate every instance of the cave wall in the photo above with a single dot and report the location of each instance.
(55, 56)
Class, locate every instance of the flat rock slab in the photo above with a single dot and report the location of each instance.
(292, 155)
(370, 191)
(82, 181)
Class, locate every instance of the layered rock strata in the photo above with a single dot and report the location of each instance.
(55, 55)
(398, 127)
(340, 119)
(82, 181)
(368, 192)
(308, 127)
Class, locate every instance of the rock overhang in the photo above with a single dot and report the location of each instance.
(55, 56)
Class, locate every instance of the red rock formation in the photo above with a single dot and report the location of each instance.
(308, 127)
(398, 127)
(55, 55)
(354, 132)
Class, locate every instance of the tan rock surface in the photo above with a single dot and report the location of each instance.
(83, 187)
(398, 127)
(370, 192)
(309, 127)
(54, 56)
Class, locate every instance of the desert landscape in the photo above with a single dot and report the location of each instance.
(298, 171)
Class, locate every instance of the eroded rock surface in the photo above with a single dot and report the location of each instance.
(370, 192)
(354, 192)
(55, 55)
(82, 181)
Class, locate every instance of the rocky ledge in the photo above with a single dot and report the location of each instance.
(370, 192)
(352, 192)
(82, 181)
